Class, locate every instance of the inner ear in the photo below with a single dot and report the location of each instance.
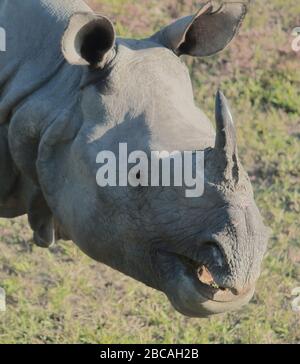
(94, 41)
(206, 33)
(211, 31)
(89, 40)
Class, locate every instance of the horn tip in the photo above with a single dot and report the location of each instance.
(220, 96)
(222, 107)
(219, 102)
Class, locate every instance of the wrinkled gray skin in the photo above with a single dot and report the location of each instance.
(69, 90)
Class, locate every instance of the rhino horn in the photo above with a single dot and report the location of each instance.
(226, 141)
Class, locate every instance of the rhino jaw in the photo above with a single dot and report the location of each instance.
(194, 290)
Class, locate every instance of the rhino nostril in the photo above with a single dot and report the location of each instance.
(214, 254)
(210, 256)
(240, 291)
(235, 291)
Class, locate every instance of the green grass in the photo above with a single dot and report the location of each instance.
(62, 296)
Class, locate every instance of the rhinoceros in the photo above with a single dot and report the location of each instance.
(69, 89)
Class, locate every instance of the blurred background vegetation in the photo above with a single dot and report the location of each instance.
(62, 296)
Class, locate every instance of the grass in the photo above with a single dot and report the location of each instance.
(62, 296)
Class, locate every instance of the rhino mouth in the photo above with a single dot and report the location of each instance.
(205, 282)
(192, 288)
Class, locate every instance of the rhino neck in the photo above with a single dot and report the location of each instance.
(17, 86)
(33, 56)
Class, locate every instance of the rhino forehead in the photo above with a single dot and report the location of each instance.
(147, 78)
(149, 89)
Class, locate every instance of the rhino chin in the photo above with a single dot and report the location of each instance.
(190, 300)
(191, 303)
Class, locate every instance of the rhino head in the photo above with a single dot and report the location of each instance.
(204, 253)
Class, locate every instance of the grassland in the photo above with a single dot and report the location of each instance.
(62, 296)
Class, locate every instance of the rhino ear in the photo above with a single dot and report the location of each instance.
(206, 33)
(89, 40)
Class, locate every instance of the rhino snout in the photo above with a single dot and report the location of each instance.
(197, 287)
